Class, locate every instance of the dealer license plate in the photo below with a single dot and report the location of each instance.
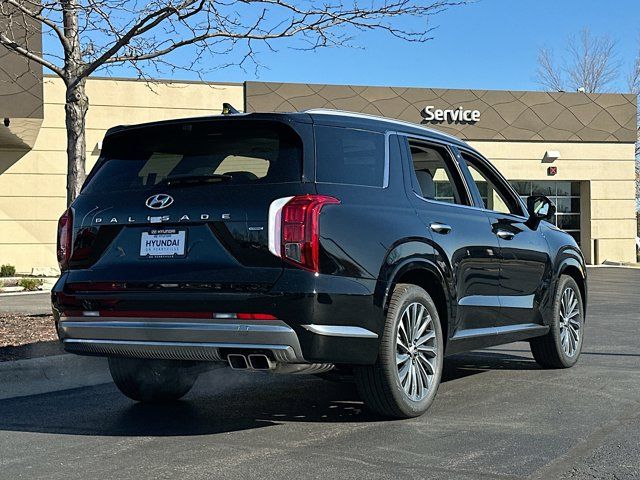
(163, 243)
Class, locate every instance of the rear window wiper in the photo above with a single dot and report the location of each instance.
(211, 178)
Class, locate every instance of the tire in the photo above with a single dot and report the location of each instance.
(152, 380)
(560, 348)
(380, 385)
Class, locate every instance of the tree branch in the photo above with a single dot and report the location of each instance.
(40, 18)
(12, 45)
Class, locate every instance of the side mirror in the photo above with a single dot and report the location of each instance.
(539, 208)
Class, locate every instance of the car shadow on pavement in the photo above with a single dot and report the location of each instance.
(224, 401)
(31, 350)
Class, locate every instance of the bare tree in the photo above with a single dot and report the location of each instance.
(587, 62)
(92, 35)
(549, 75)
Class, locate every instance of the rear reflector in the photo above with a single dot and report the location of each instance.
(255, 316)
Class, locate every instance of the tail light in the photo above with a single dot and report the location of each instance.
(293, 229)
(65, 234)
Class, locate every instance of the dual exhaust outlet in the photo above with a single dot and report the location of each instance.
(254, 361)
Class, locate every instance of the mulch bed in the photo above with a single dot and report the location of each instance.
(27, 336)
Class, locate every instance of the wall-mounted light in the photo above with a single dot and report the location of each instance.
(550, 156)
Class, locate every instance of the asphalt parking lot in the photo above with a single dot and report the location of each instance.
(37, 303)
(497, 415)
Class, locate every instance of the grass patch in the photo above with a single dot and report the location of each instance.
(30, 284)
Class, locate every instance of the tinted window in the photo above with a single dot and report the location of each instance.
(237, 152)
(494, 195)
(434, 177)
(354, 157)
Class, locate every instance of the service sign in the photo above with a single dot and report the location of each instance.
(432, 114)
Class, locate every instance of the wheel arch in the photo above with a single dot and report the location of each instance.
(574, 268)
(426, 275)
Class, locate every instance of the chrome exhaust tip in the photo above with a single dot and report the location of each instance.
(261, 362)
(237, 361)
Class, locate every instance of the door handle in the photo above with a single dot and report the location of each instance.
(505, 234)
(442, 228)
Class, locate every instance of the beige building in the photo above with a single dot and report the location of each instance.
(576, 148)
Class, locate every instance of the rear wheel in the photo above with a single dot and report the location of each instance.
(561, 347)
(152, 380)
(404, 380)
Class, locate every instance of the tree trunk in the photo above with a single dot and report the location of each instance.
(76, 101)
(76, 107)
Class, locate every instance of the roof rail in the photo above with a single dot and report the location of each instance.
(346, 113)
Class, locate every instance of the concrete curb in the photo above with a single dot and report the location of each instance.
(51, 374)
(21, 293)
(612, 265)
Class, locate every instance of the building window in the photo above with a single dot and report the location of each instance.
(565, 195)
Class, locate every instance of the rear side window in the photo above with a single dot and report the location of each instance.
(229, 152)
(435, 176)
(348, 156)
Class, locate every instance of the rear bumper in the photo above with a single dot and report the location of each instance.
(184, 339)
(321, 319)
(177, 340)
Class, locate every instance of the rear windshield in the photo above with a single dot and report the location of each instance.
(230, 152)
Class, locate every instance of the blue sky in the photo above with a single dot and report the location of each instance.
(491, 44)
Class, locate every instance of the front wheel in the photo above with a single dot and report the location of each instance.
(561, 347)
(152, 380)
(404, 380)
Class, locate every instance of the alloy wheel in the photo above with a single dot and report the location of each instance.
(416, 351)
(570, 322)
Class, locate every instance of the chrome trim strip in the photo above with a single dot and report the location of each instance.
(480, 301)
(517, 301)
(178, 344)
(341, 331)
(217, 327)
(387, 158)
(481, 332)
(506, 301)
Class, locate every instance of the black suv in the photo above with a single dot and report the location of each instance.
(322, 242)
